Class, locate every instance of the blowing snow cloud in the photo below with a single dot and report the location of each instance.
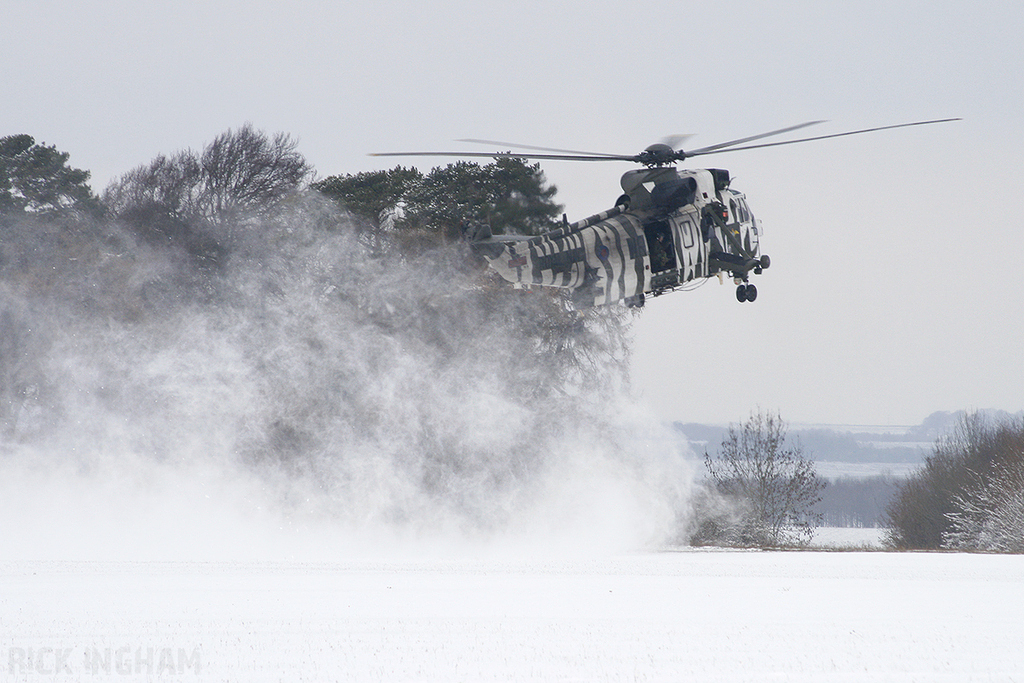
(293, 379)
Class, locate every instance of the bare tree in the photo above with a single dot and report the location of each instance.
(968, 493)
(163, 191)
(241, 175)
(987, 510)
(989, 516)
(774, 485)
(247, 172)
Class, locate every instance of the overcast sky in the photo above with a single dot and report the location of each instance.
(896, 285)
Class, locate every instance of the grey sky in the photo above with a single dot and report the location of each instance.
(895, 288)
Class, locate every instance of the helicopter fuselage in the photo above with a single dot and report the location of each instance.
(671, 228)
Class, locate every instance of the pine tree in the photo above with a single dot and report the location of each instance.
(36, 179)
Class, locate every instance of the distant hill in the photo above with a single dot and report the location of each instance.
(851, 443)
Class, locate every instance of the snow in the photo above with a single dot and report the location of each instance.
(659, 616)
(834, 469)
(846, 537)
(427, 519)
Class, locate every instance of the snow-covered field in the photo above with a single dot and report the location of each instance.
(849, 538)
(831, 469)
(665, 616)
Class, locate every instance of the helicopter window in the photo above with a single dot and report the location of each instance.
(687, 229)
(732, 209)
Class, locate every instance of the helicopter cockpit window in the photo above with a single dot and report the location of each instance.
(732, 209)
(744, 211)
(659, 246)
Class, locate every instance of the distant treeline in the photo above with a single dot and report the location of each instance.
(909, 445)
(857, 501)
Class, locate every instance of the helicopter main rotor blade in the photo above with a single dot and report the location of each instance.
(721, 145)
(573, 152)
(817, 137)
(651, 157)
(508, 155)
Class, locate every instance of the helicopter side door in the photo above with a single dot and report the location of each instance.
(691, 249)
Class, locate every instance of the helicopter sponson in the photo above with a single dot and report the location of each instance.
(670, 228)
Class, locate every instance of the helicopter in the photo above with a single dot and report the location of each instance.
(670, 229)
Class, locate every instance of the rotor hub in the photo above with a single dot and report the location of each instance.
(657, 154)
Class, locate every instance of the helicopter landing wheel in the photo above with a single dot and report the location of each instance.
(746, 293)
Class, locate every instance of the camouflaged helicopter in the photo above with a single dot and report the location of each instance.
(670, 227)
